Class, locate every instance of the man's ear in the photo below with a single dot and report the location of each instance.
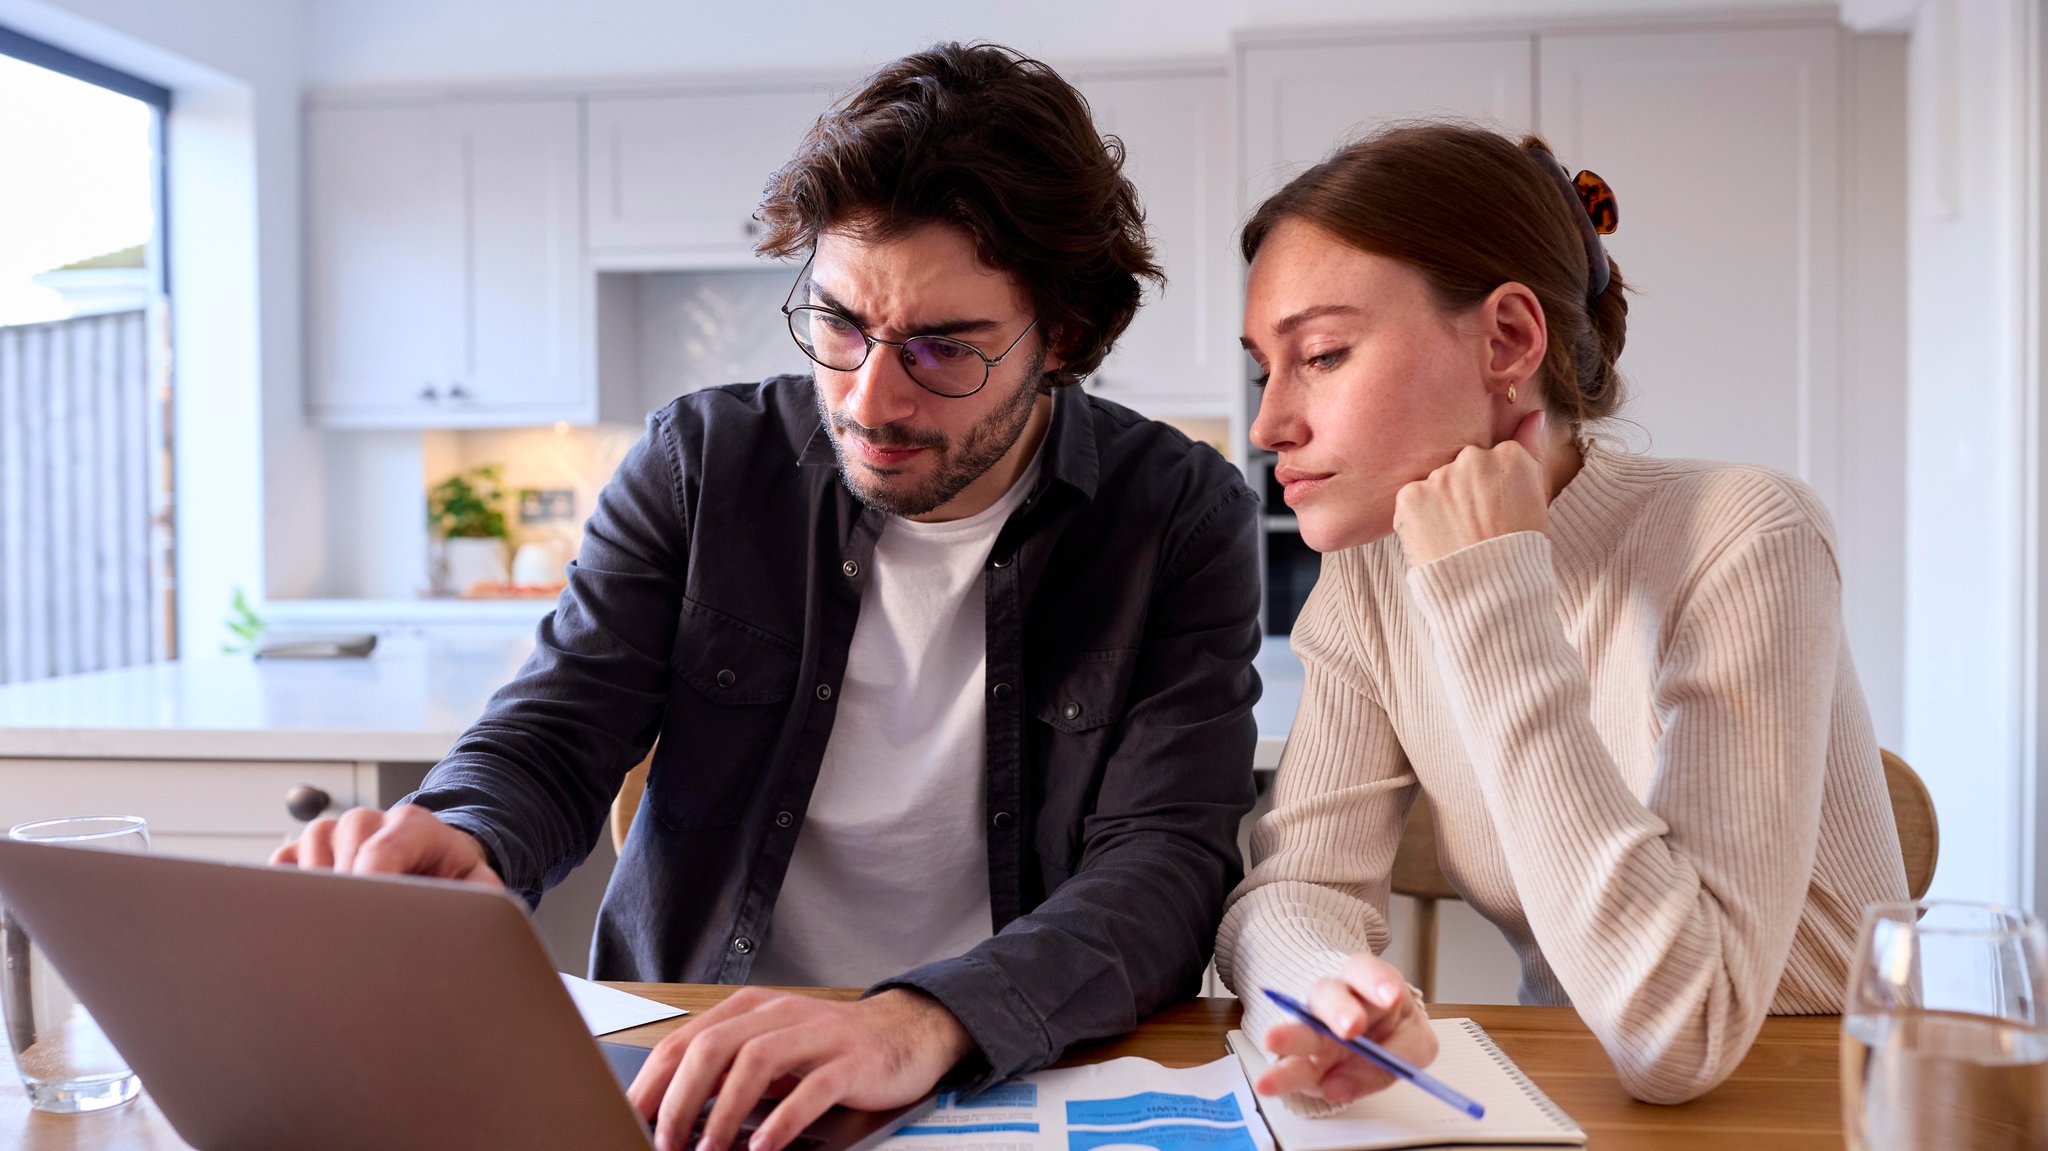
(1516, 337)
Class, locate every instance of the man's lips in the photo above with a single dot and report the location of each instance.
(880, 456)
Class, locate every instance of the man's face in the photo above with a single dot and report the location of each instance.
(902, 449)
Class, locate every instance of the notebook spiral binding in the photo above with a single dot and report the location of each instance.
(1528, 1088)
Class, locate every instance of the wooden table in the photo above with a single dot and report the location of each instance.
(1783, 1097)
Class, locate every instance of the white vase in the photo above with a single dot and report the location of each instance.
(473, 561)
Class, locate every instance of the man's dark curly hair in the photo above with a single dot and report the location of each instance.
(992, 141)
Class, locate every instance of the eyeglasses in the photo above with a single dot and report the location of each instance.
(941, 365)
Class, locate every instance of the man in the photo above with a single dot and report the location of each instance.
(950, 662)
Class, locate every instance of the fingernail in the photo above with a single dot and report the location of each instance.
(1386, 995)
(705, 1144)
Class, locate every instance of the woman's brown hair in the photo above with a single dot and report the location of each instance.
(992, 141)
(1472, 211)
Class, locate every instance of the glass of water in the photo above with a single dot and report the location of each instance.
(1945, 1029)
(66, 1063)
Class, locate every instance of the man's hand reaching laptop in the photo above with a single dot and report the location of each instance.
(407, 840)
(885, 1051)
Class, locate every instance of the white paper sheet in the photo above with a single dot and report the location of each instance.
(607, 1009)
(1122, 1104)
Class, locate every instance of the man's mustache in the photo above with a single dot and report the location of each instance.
(888, 437)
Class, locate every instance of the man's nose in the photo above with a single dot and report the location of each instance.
(882, 391)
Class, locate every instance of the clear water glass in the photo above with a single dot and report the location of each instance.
(1945, 1031)
(65, 1061)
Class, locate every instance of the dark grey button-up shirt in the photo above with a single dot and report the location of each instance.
(713, 604)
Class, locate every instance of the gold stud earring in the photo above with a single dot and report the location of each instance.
(1511, 393)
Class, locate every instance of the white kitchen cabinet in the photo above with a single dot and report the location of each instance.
(1723, 148)
(1304, 98)
(225, 810)
(445, 277)
(1180, 356)
(674, 178)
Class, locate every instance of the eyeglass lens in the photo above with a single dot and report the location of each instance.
(939, 363)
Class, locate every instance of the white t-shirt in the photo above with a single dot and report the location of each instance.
(891, 868)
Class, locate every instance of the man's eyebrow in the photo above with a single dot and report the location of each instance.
(942, 328)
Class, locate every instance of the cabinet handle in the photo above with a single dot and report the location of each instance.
(306, 802)
(429, 394)
(751, 229)
(457, 392)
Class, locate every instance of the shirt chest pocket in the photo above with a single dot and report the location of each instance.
(727, 709)
(1077, 703)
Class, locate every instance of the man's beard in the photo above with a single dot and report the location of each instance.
(979, 450)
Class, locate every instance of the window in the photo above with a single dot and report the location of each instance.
(85, 543)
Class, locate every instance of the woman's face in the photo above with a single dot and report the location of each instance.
(1370, 385)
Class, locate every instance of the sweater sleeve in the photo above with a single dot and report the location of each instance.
(1321, 861)
(1668, 919)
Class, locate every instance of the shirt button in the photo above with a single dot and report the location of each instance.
(743, 945)
(851, 569)
(1003, 820)
(726, 678)
(1000, 691)
(784, 819)
(1001, 561)
(1071, 711)
(824, 691)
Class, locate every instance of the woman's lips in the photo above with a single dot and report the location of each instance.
(1298, 485)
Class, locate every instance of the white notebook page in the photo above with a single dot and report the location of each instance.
(1404, 1115)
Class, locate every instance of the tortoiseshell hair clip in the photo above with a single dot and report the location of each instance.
(1599, 201)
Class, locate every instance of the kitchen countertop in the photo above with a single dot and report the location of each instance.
(406, 703)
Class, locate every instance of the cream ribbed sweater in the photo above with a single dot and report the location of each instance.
(1651, 763)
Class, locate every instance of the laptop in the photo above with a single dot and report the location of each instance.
(267, 1008)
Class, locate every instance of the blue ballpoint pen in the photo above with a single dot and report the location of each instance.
(1386, 1059)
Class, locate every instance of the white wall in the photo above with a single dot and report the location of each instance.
(1969, 545)
(234, 70)
(380, 41)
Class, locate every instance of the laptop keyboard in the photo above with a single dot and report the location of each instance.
(746, 1133)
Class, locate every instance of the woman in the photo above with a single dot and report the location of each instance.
(1621, 680)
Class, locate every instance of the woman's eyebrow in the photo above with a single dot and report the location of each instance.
(1306, 314)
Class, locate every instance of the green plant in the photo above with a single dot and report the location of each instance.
(458, 508)
(244, 623)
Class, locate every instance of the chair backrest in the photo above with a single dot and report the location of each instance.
(1418, 875)
(628, 802)
(1919, 831)
(1416, 872)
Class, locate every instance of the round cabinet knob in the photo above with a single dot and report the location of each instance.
(307, 802)
(429, 394)
(457, 392)
(751, 229)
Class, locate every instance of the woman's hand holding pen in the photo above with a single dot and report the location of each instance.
(1369, 998)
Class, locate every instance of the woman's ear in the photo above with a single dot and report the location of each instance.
(1516, 338)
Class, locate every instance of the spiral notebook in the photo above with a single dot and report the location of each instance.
(1517, 1111)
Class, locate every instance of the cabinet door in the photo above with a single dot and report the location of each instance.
(1301, 102)
(446, 283)
(1179, 357)
(1722, 150)
(384, 225)
(233, 811)
(684, 172)
(526, 353)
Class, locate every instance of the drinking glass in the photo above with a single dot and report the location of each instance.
(1944, 1029)
(66, 1063)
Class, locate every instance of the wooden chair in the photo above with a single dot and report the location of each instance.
(628, 802)
(1417, 875)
